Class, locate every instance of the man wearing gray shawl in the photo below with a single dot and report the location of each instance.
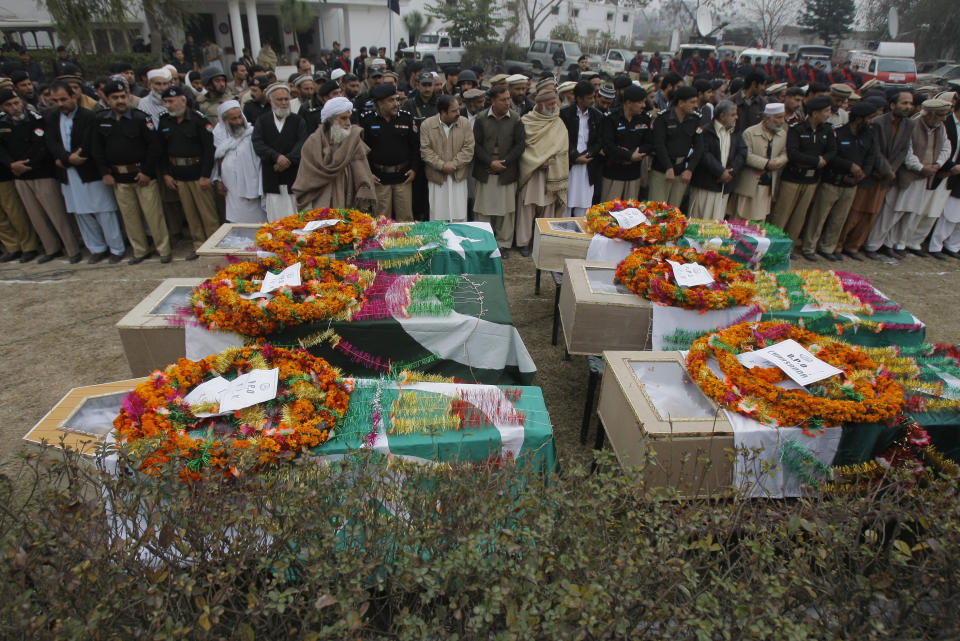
(236, 169)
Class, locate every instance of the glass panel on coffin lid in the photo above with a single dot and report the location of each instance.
(569, 226)
(671, 392)
(601, 281)
(176, 298)
(94, 416)
(239, 237)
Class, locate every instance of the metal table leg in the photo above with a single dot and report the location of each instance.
(536, 284)
(556, 316)
(592, 381)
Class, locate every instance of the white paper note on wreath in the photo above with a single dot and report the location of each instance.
(256, 386)
(316, 224)
(690, 274)
(210, 392)
(289, 277)
(752, 359)
(797, 363)
(629, 218)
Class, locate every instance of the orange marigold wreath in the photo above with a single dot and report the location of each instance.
(864, 392)
(281, 238)
(159, 427)
(330, 289)
(666, 223)
(647, 273)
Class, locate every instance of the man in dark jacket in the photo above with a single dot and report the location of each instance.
(750, 100)
(838, 185)
(582, 121)
(677, 146)
(811, 144)
(724, 153)
(278, 137)
(625, 137)
(69, 129)
(24, 152)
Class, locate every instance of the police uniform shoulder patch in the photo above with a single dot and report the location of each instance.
(150, 124)
(208, 127)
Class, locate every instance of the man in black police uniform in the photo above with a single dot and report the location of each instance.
(810, 146)
(626, 138)
(677, 146)
(258, 104)
(126, 149)
(853, 162)
(394, 156)
(186, 162)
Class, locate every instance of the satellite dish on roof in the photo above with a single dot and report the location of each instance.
(704, 20)
(893, 22)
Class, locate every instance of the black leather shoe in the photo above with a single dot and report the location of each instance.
(937, 255)
(28, 256)
(886, 251)
(922, 253)
(525, 251)
(166, 259)
(504, 253)
(9, 257)
(115, 258)
(96, 258)
(46, 258)
(76, 258)
(810, 256)
(829, 257)
(853, 255)
(136, 260)
(899, 253)
(952, 254)
(872, 255)
(192, 256)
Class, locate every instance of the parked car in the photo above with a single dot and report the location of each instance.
(761, 56)
(616, 61)
(940, 76)
(930, 66)
(437, 49)
(892, 64)
(540, 54)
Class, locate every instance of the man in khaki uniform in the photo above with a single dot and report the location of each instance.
(16, 234)
(126, 149)
(215, 82)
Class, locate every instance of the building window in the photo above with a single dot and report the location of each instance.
(609, 16)
(555, 10)
(626, 18)
(575, 13)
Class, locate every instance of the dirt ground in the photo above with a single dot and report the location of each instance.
(58, 330)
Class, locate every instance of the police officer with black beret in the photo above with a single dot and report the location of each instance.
(186, 162)
(625, 135)
(127, 150)
(394, 156)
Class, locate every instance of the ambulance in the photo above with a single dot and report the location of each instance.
(892, 64)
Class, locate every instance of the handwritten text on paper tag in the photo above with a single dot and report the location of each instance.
(690, 274)
(629, 217)
(752, 359)
(209, 392)
(797, 363)
(289, 277)
(316, 224)
(249, 389)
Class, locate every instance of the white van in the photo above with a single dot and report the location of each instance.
(892, 64)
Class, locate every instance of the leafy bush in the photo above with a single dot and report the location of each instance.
(377, 550)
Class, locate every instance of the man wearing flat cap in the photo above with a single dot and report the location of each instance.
(215, 82)
(840, 96)
(126, 149)
(498, 144)
(677, 146)
(838, 185)
(929, 150)
(334, 171)
(278, 137)
(186, 162)
(24, 152)
(544, 167)
(811, 144)
(519, 102)
(625, 138)
(394, 157)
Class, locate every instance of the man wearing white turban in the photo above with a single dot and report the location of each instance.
(236, 168)
(152, 104)
(334, 171)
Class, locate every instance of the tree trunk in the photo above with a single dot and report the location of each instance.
(156, 44)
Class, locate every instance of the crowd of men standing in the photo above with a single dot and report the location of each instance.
(134, 155)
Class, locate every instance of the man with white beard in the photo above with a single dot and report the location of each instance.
(334, 171)
(278, 136)
(236, 168)
(152, 104)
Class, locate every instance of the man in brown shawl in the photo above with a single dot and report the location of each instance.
(333, 164)
(544, 167)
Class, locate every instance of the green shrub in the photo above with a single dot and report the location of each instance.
(479, 552)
